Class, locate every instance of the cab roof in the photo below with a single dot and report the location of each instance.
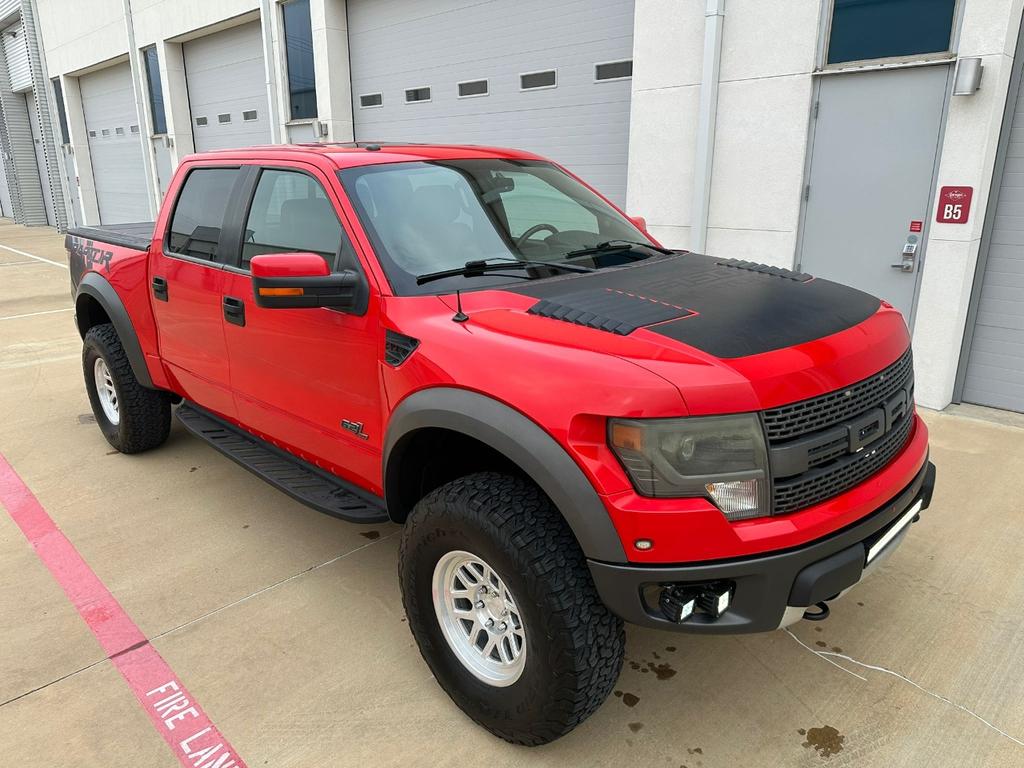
(351, 154)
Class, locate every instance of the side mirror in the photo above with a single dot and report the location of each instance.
(303, 280)
(639, 222)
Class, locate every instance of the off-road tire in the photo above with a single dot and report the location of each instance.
(574, 644)
(145, 414)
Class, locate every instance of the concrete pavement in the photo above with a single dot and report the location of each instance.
(287, 625)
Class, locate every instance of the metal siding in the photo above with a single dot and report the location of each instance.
(19, 154)
(16, 53)
(995, 365)
(117, 160)
(50, 175)
(225, 75)
(583, 124)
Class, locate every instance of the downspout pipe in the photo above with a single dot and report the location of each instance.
(714, 21)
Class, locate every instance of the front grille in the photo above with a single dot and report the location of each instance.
(817, 485)
(814, 427)
(797, 419)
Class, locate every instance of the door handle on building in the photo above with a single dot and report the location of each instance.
(908, 258)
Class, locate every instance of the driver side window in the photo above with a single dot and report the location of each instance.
(290, 212)
(533, 200)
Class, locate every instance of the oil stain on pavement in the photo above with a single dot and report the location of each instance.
(826, 741)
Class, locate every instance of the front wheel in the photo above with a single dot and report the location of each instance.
(501, 603)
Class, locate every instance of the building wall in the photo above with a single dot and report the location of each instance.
(85, 36)
(769, 53)
(990, 30)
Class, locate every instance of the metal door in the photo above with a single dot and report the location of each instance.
(579, 120)
(227, 89)
(115, 145)
(875, 148)
(37, 144)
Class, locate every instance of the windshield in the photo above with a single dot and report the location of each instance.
(425, 217)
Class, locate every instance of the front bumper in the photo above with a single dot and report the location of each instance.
(767, 587)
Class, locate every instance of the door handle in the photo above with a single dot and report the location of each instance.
(160, 288)
(234, 310)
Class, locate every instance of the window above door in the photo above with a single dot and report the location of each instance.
(867, 30)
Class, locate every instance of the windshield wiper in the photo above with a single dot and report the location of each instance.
(615, 245)
(495, 264)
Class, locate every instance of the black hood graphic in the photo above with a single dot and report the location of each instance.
(723, 307)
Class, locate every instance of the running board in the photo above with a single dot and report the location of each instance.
(299, 479)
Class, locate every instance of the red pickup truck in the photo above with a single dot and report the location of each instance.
(575, 426)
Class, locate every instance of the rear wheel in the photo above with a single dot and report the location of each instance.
(501, 603)
(131, 417)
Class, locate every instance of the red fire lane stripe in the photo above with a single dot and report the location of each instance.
(174, 712)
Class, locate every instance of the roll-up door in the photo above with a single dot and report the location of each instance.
(115, 145)
(227, 89)
(995, 364)
(552, 78)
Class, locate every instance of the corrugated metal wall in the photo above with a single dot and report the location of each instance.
(51, 174)
(19, 154)
(16, 54)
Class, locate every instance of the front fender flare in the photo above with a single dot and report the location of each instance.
(521, 441)
(97, 287)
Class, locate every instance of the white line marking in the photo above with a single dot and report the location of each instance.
(33, 314)
(33, 256)
(939, 696)
(18, 263)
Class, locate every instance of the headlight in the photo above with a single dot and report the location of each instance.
(723, 458)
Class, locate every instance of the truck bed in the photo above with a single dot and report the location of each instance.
(136, 235)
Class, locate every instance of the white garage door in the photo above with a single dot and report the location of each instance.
(528, 71)
(115, 145)
(227, 90)
(995, 367)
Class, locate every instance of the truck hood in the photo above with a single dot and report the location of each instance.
(730, 335)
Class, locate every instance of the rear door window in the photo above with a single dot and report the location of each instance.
(291, 212)
(199, 212)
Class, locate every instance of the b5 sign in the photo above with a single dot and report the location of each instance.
(954, 205)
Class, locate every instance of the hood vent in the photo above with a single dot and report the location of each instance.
(764, 269)
(608, 309)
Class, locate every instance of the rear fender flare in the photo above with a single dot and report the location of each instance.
(521, 441)
(97, 287)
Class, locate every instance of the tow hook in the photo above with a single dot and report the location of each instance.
(820, 615)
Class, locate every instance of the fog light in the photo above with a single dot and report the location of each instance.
(715, 600)
(643, 544)
(738, 499)
(677, 603)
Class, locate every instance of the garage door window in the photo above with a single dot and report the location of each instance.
(298, 42)
(199, 212)
(290, 212)
(889, 28)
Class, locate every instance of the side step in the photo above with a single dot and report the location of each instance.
(299, 479)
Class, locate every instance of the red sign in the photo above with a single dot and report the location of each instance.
(954, 205)
(916, 225)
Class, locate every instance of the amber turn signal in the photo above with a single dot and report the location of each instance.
(280, 291)
(627, 436)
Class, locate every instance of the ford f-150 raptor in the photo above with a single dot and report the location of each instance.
(575, 426)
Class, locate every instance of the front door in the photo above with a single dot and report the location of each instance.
(876, 139)
(187, 285)
(297, 374)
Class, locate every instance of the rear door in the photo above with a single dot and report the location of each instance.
(298, 373)
(187, 282)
